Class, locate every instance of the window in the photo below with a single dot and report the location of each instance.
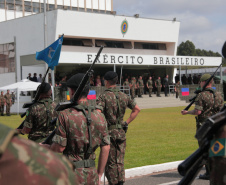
(152, 46)
(77, 42)
(7, 58)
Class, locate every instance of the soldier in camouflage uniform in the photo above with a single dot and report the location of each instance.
(38, 119)
(8, 100)
(158, 84)
(133, 87)
(80, 131)
(2, 103)
(126, 86)
(113, 103)
(25, 162)
(207, 104)
(149, 85)
(140, 86)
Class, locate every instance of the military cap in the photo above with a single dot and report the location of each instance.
(205, 77)
(110, 75)
(75, 80)
(45, 87)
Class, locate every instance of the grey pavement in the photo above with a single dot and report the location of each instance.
(159, 102)
(163, 178)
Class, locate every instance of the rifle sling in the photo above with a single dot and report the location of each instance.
(88, 118)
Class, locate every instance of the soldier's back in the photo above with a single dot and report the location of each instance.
(25, 162)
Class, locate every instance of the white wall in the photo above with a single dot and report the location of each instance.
(83, 24)
(7, 78)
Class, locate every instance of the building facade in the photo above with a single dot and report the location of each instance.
(132, 45)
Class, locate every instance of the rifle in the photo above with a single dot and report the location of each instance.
(27, 105)
(199, 91)
(193, 164)
(76, 96)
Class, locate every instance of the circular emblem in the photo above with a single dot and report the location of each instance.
(216, 147)
(124, 26)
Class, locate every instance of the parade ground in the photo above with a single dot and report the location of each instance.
(157, 140)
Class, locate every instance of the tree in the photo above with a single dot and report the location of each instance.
(186, 49)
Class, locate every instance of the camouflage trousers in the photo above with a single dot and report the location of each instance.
(114, 169)
(133, 93)
(2, 109)
(150, 91)
(140, 91)
(87, 176)
(158, 90)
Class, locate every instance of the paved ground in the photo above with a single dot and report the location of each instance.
(159, 102)
(163, 178)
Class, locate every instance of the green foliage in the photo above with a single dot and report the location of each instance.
(156, 136)
(188, 49)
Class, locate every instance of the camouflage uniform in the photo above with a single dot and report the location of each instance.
(8, 103)
(158, 85)
(209, 105)
(140, 85)
(24, 162)
(114, 114)
(149, 84)
(38, 119)
(133, 88)
(126, 85)
(2, 102)
(13, 98)
(177, 86)
(72, 133)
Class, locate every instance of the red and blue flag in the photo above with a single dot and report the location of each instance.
(92, 95)
(185, 91)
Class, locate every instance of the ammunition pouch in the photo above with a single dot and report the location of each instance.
(84, 163)
(117, 126)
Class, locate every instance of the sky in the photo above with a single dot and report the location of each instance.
(202, 22)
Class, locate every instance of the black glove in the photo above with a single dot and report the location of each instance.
(125, 126)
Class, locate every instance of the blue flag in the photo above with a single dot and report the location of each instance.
(51, 54)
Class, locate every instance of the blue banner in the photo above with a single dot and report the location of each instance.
(51, 54)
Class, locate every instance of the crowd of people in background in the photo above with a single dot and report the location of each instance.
(134, 85)
(188, 80)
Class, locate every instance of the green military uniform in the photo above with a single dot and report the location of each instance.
(133, 87)
(177, 87)
(140, 85)
(150, 86)
(113, 104)
(8, 98)
(13, 98)
(81, 130)
(158, 85)
(38, 119)
(2, 103)
(25, 162)
(126, 86)
(209, 102)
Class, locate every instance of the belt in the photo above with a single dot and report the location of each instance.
(118, 126)
(84, 163)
